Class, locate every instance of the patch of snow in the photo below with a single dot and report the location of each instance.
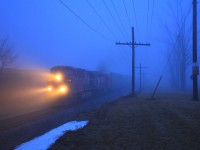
(44, 141)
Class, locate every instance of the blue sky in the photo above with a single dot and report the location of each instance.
(44, 33)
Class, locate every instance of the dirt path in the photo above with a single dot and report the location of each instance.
(139, 124)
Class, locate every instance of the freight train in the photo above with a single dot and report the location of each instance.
(75, 81)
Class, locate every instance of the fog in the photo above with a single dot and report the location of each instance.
(46, 34)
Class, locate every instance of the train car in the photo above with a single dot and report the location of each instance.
(75, 81)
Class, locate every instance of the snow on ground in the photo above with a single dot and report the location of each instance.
(44, 141)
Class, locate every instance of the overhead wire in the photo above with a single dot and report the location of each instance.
(102, 20)
(151, 20)
(84, 22)
(127, 13)
(127, 18)
(147, 25)
(121, 54)
(87, 24)
(110, 12)
(118, 16)
(134, 12)
(133, 4)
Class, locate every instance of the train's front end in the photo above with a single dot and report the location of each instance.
(58, 84)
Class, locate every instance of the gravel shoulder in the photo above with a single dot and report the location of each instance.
(167, 123)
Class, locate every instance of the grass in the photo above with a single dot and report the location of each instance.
(171, 123)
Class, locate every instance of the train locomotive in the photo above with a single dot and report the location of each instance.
(72, 81)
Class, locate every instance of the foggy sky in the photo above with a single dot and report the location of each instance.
(44, 33)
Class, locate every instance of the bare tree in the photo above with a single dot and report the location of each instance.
(7, 55)
(179, 45)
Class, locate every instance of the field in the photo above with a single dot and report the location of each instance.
(166, 123)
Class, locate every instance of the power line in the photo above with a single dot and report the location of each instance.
(127, 14)
(118, 15)
(109, 11)
(152, 12)
(84, 22)
(134, 12)
(147, 27)
(108, 28)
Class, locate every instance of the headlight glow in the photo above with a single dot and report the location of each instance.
(49, 88)
(58, 77)
(63, 89)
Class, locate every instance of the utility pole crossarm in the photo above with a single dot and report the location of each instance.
(141, 67)
(129, 43)
(142, 44)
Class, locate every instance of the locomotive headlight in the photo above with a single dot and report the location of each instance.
(63, 89)
(58, 77)
(49, 88)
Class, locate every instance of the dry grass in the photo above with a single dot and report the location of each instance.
(139, 124)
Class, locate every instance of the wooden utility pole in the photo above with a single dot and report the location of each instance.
(141, 76)
(133, 58)
(195, 69)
